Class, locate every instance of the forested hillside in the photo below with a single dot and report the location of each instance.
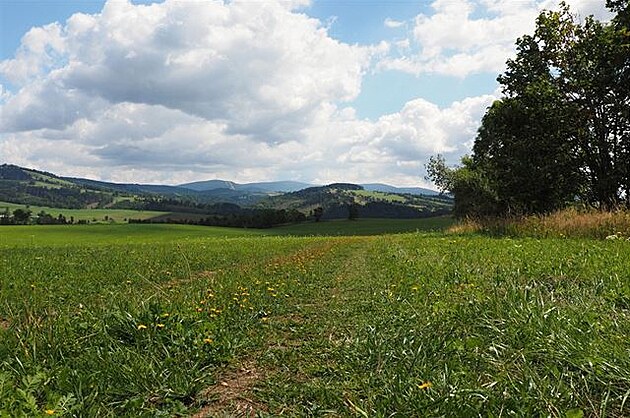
(235, 206)
(38, 188)
(342, 200)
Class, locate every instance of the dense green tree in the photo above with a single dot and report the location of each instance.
(353, 212)
(526, 181)
(317, 213)
(594, 82)
(562, 130)
(22, 216)
(472, 187)
(586, 67)
(621, 25)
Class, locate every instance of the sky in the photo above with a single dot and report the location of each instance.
(318, 91)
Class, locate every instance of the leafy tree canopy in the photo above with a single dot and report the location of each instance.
(561, 133)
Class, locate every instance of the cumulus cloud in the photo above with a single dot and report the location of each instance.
(40, 49)
(392, 23)
(256, 65)
(148, 143)
(463, 37)
(244, 90)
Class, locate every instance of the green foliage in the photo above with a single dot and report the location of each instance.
(22, 216)
(521, 148)
(353, 212)
(561, 132)
(470, 184)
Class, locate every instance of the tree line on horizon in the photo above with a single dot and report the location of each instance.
(25, 216)
(560, 135)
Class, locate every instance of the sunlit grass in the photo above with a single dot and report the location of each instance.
(63, 235)
(391, 325)
(565, 223)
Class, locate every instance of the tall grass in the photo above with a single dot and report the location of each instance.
(566, 223)
(403, 325)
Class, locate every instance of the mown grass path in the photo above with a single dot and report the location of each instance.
(435, 326)
(392, 325)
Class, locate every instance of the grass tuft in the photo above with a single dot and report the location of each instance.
(566, 223)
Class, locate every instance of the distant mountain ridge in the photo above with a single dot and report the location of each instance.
(380, 187)
(295, 186)
(268, 186)
(39, 188)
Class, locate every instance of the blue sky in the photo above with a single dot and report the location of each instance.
(252, 90)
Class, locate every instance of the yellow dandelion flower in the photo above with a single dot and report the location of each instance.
(49, 412)
(142, 326)
(208, 340)
(425, 385)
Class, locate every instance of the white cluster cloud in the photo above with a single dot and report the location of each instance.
(463, 37)
(392, 23)
(180, 91)
(149, 143)
(255, 65)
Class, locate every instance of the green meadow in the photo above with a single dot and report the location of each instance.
(337, 319)
(91, 215)
(102, 234)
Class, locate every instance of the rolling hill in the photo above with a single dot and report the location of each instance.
(25, 186)
(380, 187)
(338, 199)
(261, 187)
(32, 187)
(39, 188)
(294, 186)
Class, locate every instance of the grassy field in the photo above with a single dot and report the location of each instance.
(175, 324)
(364, 227)
(389, 197)
(104, 234)
(92, 215)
